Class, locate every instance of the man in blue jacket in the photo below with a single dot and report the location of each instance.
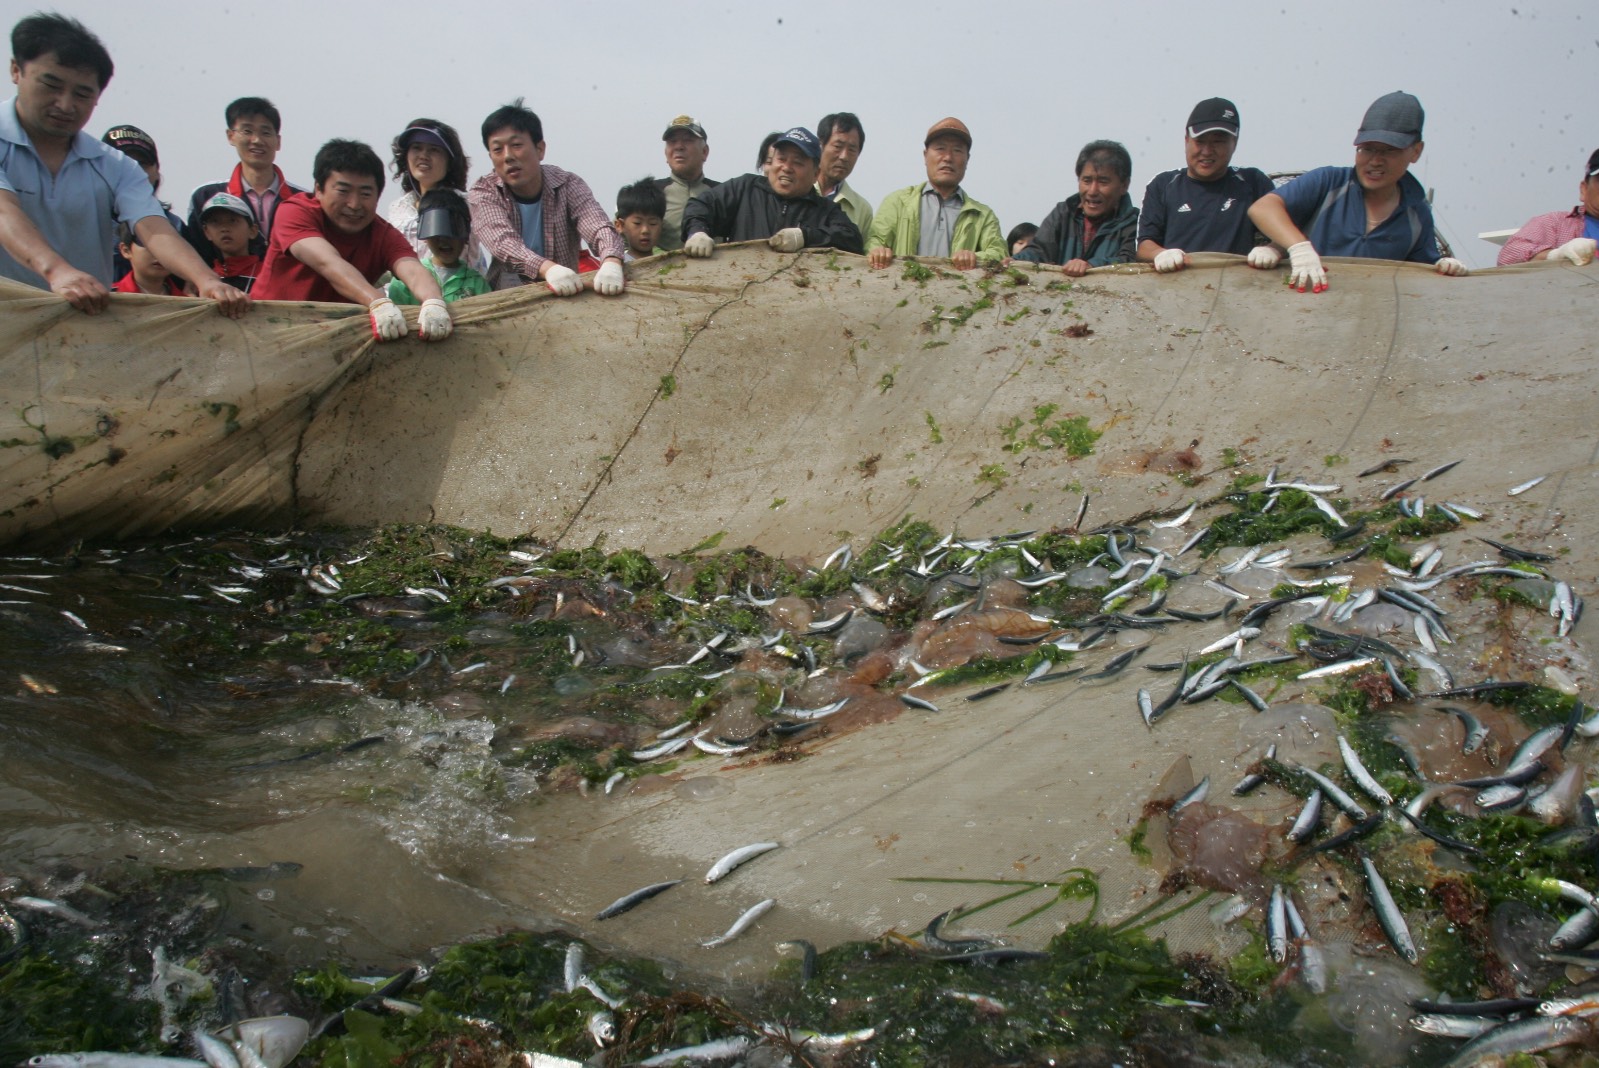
(1098, 226)
(1375, 209)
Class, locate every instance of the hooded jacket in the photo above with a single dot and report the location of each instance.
(746, 209)
(1060, 236)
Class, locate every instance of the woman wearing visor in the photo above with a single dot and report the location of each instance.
(428, 156)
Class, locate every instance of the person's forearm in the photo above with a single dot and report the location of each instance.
(175, 254)
(23, 241)
(1148, 250)
(1270, 216)
(418, 279)
(319, 255)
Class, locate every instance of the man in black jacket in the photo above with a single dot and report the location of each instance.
(781, 206)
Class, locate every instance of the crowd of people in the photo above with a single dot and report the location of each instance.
(80, 217)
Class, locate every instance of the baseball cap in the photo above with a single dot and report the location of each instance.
(802, 139)
(227, 202)
(684, 122)
(134, 142)
(952, 126)
(1217, 113)
(1394, 120)
(424, 135)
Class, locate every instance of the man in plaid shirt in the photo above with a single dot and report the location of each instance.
(1561, 235)
(531, 215)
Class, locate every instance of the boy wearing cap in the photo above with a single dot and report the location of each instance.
(937, 218)
(1205, 206)
(332, 246)
(444, 225)
(686, 152)
(781, 207)
(1375, 209)
(229, 225)
(1561, 235)
(255, 132)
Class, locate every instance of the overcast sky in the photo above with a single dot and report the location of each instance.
(1506, 86)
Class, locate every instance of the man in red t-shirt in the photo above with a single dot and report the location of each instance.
(330, 245)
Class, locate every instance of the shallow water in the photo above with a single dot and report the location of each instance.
(426, 767)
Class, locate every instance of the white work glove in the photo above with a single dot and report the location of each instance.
(1578, 250)
(699, 246)
(1264, 257)
(1305, 269)
(433, 321)
(388, 322)
(788, 239)
(608, 280)
(1169, 259)
(563, 281)
(1450, 265)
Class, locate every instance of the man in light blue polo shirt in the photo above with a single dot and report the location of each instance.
(1375, 209)
(62, 192)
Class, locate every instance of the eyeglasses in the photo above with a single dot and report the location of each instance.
(1376, 151)
(266, 133)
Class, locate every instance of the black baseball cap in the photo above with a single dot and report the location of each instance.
(1393, 120)
(132, 141)
(1216, 113)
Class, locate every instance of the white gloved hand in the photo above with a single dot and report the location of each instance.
(608, 280)
(1578, 250)
(563, 281)
(433, 322)
(1264, 257)
(788, 239)
(699, 246)
(1450, 265)
(1305, 269)
(1170, 259)
(388, 322)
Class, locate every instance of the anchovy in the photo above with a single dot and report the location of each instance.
(1277, 925)
(665, 748)
(1397, 488)
(828, 626)
(1253, 779)
(573, 970)
(58, 909)
(1530, 1035)
(1517, 490)
(1242, 634)
(718, 1050)
(945, 613)
(843, 552)
(1146, 707)
(1203, 617)
(1197, 537)
(1194, 796)
(913, 701)
(1256, 701)
(1308, 820)
(1342, 667)
(1180, 520)
(1491, 1007)
(740, 925)
(628, 901)
(1327, 509)
(602, 1028)
(1388, 914)
(1115, 664)
(1363, 778)
(1533, 747)
(933, 937)
(1334, 561)
(807, 957)
(717, 748)
(736, 857)
(109, 1060)
(1335, 793)
(815, 713)
(1454, 1026)
(1501, 798)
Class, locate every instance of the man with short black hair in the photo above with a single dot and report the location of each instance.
(1571, 236)
(843, 138)
(255, 130)
(686, 151)
(1205, 206)
(1375, 209)
(1099, 225)
(531, 215)
(781, 206)
(331, 246)
(937, 217)
(62, 192)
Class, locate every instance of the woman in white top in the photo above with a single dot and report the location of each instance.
(427, 156)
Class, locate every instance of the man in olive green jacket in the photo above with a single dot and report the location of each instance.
(936, 218)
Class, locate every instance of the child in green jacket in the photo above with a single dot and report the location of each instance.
(445, 223)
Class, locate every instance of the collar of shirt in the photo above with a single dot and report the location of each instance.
(11, 129)
(959, 196)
